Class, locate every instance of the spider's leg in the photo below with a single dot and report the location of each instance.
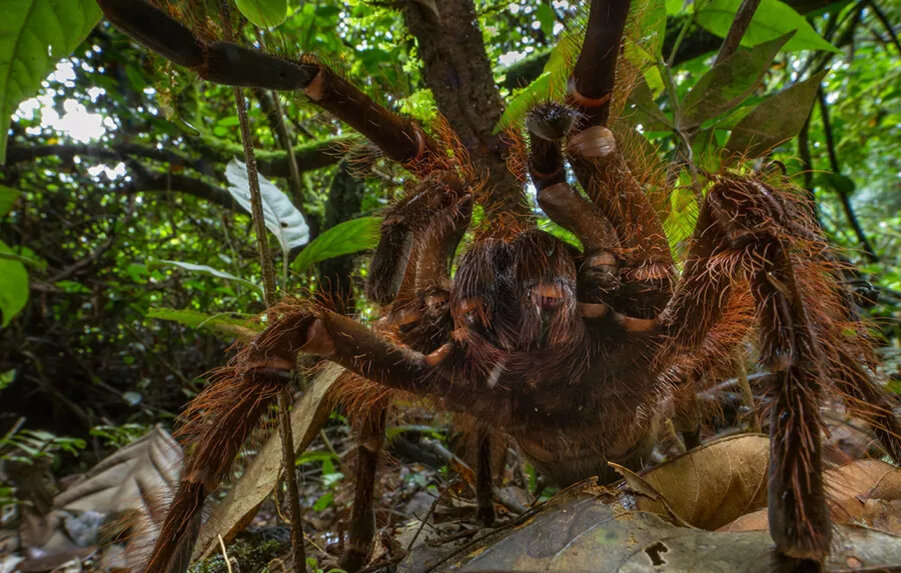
(230, 64)
(222, 417)
(419, 235)
(599, 165)
(751, 233)
(370, 434)
(599, 273)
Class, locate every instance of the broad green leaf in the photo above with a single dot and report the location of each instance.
(34, 34)
(546, 17)
(281, 216)
(646, 111)
(775, 120)
(771, 20)
(214, 272)
(264, 13)
(840, 183)
(673, 7)
(8, 198)
(13, 286)
(646, 27)
(342, 239)
(226, 324)
(728, 83)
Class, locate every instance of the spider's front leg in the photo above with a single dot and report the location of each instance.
(645, 261)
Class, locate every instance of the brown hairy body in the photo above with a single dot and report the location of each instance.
(573, 352)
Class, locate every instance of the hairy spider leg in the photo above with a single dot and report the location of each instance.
(646, 265)
(752, 234)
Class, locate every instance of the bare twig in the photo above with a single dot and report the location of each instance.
(836, 169)
(880, 15)
(737, 31)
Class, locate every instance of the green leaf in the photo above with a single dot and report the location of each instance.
(673, 7)
(34, 34)
(324, 501)
(342, 239)
(546, 17)
(226, 324)
(6, 378)
(646, 27)
(728, 83)
(646, 111)
(775, 120)
(215, 272)
(13, 286)
(771, 20)
(8, 198)
(264, 13)
(841, 183)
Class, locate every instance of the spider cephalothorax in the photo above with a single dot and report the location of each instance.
(573, 352)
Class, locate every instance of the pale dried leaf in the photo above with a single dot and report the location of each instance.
(713, 484)
(138, 476)
(232, 514)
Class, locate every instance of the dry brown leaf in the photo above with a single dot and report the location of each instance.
(866, 492)
(128, 488)
(138, 476)
(713, 484)
(580, 530)
(234, 512)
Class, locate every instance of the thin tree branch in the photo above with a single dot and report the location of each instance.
(284, 397)
(842, 195)
(885, 24)
(737, 31)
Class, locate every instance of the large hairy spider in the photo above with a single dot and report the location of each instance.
(570, 352)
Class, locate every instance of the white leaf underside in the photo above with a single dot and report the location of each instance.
(281, 216)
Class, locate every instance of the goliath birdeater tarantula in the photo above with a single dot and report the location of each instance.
(571, 352)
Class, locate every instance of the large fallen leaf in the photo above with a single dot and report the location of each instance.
(713, 484)
(132, 478)
(234, 512)
(587, 528)
(128, 489)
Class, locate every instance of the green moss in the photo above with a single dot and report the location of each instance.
(246, 557)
